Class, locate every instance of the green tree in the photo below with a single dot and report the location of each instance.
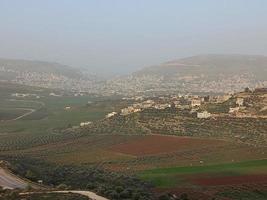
(30, 175)
(62, 187)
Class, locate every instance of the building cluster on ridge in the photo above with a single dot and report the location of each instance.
(192, 103)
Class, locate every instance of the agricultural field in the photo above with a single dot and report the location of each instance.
(133, 153)
(209, 175)
(241, 180)
(29, 121)
(175, 164)
(160, 144)
(169, 149)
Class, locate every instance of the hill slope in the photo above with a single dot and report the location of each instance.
(45, 74)
(205, 73)
(11, 65)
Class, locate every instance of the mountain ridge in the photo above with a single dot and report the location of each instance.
(39, 66)
(203, 73)
(47, 75)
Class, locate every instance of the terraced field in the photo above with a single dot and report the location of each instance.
(247, 130)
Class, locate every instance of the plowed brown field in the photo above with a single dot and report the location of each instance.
(160, 144)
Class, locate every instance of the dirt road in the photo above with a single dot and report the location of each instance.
(30, 111)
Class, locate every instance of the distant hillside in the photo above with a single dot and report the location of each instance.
(212, 66)
(46, 75)
(197, 74)
(205, 73)
(38, 67)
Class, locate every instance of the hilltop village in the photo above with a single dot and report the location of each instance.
(232, 105)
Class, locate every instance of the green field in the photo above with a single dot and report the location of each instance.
(50, 116)
(173, 177)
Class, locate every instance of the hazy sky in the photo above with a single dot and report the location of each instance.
(125, 35)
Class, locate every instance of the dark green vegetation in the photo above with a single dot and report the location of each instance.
(112, 185)
(220, 107)
(245, 194)
(54, 197)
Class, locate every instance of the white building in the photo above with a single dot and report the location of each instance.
(82, 124)
(195, 102)
(203, 115)
(111, 114)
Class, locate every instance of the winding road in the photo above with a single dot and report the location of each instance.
(30, 111)
(11, 181)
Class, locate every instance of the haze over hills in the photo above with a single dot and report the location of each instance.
(39, 66)
(197, 74)
(46, 74)
(203, 73)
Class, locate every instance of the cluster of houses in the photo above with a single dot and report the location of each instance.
(161, 103)
(192, 104)
(182, 102)
(137, 107)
